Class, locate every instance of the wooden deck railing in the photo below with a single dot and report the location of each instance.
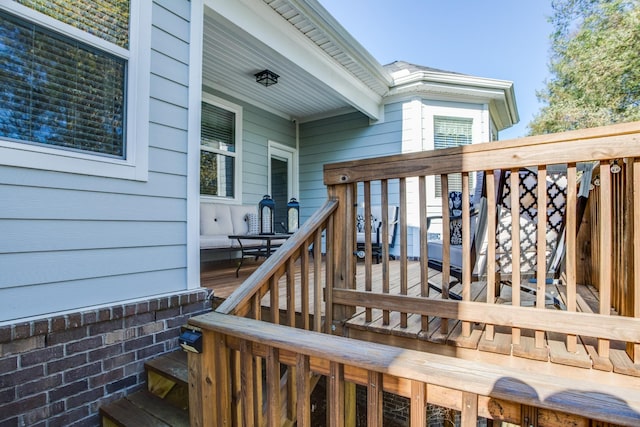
(231, 364)
(223, 393)
(304, 310)
(397, 177)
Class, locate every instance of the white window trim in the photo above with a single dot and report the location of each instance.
(138, 57)
(237, 177)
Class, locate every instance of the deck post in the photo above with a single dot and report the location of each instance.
(196, 374)
(343, 251)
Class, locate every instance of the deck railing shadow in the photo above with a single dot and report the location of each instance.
(236, 353)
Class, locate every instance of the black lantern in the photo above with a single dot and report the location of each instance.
(266, 78)
(293, 215)
(266, 208)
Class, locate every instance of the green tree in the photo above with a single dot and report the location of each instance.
(594, 65)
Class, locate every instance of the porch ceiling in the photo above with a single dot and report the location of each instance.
(240, 41)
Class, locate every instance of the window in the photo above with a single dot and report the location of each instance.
(218, 150)
(74, 86)
(451, 132)
(58, 91)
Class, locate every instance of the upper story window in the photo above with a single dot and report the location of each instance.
(73, 96)
(219, 147)
(451, 132)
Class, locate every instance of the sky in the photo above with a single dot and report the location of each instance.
(499, 39)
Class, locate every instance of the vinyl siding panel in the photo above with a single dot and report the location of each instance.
(96, 290)
(60, 266)
(342, 138)
(26, 235)
(71, 241)
(159, 184)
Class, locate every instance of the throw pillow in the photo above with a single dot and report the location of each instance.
(253, 223)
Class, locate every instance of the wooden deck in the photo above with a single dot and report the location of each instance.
(554, 357)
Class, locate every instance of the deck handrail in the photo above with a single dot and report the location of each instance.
(239, 303)
(476, 389)
(601, 143)
(373, 181)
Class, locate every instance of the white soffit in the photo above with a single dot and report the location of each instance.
(242, 37)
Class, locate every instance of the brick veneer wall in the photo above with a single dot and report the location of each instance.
(58, 371)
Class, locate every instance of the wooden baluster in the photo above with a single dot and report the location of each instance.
(274, 300)
(317, 281)
(633, 349)
(236, 387)
(541, 238)
(490, 182)
(515, 247)
(291, 292)
(446, 242)
(303, 417)
(626, 298)
(418, 410)
(384, 193)
(220, 392)
(617, 283)
(374, 399)
(469, 413)
(403, 243)
(424, 251)
(258, 387)
(304, 286)
(466, 250)
(335, 397)
(292, 392)
(273, 388)
(247, 381)
(605, 255)
(368, 275)
(570, 229)
(329, 276)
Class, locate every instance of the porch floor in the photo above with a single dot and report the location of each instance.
(553, 358)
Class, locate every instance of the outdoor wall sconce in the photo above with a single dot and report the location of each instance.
(266, 208)
(267, 78)
(293, 215)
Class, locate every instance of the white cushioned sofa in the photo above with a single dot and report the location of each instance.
(219, 221)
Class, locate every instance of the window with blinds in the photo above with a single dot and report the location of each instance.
(108, 20)
(451, 132)
(217, 151)
(58, 91)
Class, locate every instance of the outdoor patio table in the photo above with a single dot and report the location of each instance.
(269, 243)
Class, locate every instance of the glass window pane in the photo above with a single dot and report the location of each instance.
(218, 128)
(57, 91)
(451, 132)
(108, 20)
(216, 174)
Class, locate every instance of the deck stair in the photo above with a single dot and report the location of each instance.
(165, 401)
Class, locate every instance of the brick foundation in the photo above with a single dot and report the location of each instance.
(58, 371)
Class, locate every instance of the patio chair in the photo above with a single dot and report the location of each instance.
(556, 202)
(376, 231)
(478, 222)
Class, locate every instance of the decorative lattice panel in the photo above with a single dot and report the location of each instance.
(556, 202)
